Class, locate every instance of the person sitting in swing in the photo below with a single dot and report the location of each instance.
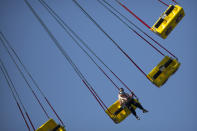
(127, 100)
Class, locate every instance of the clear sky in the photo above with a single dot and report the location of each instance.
(171, 107)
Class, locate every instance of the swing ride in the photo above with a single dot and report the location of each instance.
(158, 75)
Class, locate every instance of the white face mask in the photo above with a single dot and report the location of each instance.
(121, 92)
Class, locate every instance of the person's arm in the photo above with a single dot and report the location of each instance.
(119, 98)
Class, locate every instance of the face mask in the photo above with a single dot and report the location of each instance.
(121, 92)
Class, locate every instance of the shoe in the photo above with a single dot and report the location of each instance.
(137, 118)
(145, 111)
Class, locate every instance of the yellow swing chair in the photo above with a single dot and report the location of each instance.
(160, 74)
(168, 20)
(124, 113)
(51, 125)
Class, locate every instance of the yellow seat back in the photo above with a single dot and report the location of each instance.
(168, 21)
(122, 115)
(160, 74)
(50, 125)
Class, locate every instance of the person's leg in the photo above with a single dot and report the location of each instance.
(133, 112)
(128, 105)
(137, 104)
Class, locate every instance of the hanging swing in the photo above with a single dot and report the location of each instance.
(166, 22)
(160, 74)
(122, 114)
(51, 125)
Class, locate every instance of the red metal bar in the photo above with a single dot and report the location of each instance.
(23, 116)
(163, 2)
(40, 104)
(97, 97)
(175, 1)
(93, 94)
(30, 121)
(149, 43)
(134, 15)
(54, 111)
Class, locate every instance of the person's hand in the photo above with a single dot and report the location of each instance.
(124, 99)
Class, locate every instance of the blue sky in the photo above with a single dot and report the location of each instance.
(171, 107)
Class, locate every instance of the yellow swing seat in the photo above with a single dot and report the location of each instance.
(50, 125)
(160, 74)
(121, 115)
(168, 20)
